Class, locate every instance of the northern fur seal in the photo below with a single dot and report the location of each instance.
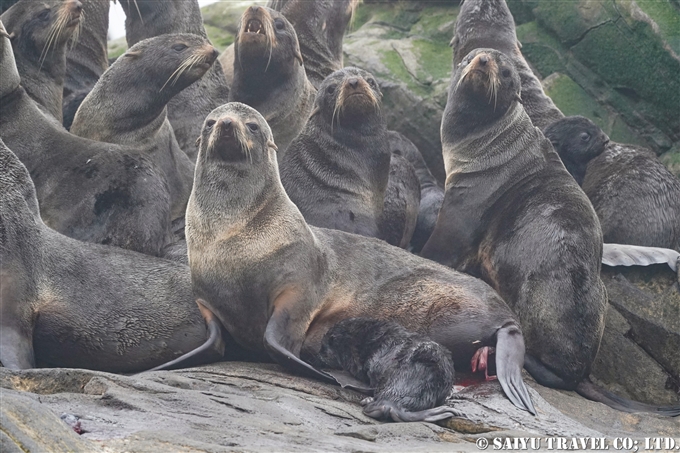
(88, 59)
(513, 216)
(244, 233)
(186, 111)
(431, 193)
(269, 75)
(337, 170)
(71, 304)
(634, 195)
(320, 26)
(393, 360)
(92, 191)
(40, 32)
(127, 106)
(489, 24)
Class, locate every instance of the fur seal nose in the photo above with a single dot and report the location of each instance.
(225, 123)
(215, 53)
(254, 8)
(353, 82)
(76, 6)
(483, 60)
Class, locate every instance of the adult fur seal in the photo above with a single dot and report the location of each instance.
(489, 24)
(186, 111)
(393, 360)
(243, 233)
(71, 304)
(92, 191)
(88, 59)
(513, 216)
(337, 170)
(431, 193)
(269, 75)
(320, 26)
(40, 32)
(634, 195)
(128, 104)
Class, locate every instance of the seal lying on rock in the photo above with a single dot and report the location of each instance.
(72, 304)
(127, 106)
(489, 24)
(513, 216)
(40, 32)
(278, 285)
(186, 112)
(635, 196)
(409, 372)
(269, 75)
(337, 170)
(92, 191)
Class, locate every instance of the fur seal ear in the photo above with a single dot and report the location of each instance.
(452, 42)
(198, 142)
(133, 54)
(271, 144)
(316, 110)
(518, 98)
(298, 56)
(9, 36)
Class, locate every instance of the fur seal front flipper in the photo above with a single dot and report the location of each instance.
(635, 255)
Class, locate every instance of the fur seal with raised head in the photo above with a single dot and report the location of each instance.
(186, 111)
(513, 216)
(269, 75)
(634, 195)
(392, 359)
(40, 32)
(337, 169)
(243, 234)
(489, 24)
(67, 303)
(92, 191)
(88, 59)
(127, 106)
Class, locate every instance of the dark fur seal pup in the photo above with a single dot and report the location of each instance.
(88, 59)
(577, 141)
(513, 216)
(489, 24)
(40, 32)
(88, 190)
(320, 26)
(244, 233)
(128, 104)
(269, 75)
(186, 111)
(431, 193)
(392, 359)
(71, 304)
(337, 170)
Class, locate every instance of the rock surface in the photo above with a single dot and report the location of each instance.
(234, 406)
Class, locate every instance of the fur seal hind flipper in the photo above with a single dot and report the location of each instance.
(214, 341)
(634, 255)
(347, 381)
(509, 362)
(387, 410)
(587, 389)
(278, 340)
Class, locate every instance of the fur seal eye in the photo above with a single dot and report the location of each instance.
(179, 47)
(209, 124)
(44, 16)
(330, 89)
(585, 136)
(505, 72)
(278, 23)
(372, 83)
(253, 127)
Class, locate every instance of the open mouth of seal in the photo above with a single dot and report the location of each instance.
(255, 26)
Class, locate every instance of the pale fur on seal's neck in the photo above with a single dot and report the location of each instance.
(510, 138)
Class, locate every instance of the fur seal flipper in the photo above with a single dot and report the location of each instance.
(243, 232)
(634, 255)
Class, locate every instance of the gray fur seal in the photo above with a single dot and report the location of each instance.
(186, 111)
(92, 191)
(408, 371)
(513, 216)
(244, 233)
(71, 304)
(269, 75)
(40, 32)
(127, 106)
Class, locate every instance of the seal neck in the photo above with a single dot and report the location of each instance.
(161, 17)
